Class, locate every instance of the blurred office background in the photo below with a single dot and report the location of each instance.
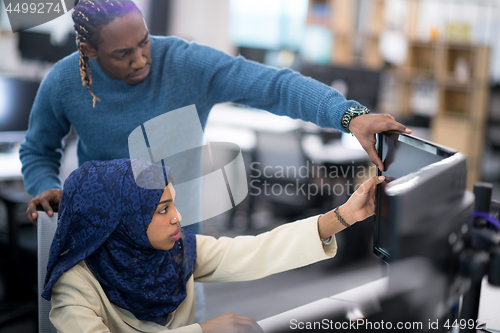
(432, 64)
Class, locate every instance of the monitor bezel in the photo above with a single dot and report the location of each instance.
(22, 91)
(413, 141)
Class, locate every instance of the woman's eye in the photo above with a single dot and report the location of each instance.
(124, 55)
(163, 211)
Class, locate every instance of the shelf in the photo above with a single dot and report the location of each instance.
(370, 54)
(375, 20)
(343, 50)
(457, 133)
(421, 59)
(455, 102)
(343, 16)
(464, 101)
(464, 63)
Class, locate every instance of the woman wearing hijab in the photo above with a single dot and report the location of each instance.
(120, 262)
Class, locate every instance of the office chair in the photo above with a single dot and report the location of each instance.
(46, 229)
(282, 151)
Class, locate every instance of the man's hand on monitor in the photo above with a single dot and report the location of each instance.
(365, 127)
(47, 200)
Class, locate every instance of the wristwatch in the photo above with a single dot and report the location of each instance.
(351, 113)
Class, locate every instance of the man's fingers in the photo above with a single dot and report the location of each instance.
(372, 154)
(31, 213)
(32, 216)
(45, 201)
(395, 126)
(378, 162)
(386, 122)
(46, 206)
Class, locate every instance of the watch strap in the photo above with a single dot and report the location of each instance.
(351, 113)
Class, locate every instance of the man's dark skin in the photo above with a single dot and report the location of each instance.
(124, 54)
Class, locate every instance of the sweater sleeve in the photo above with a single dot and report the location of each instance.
(40, 153)
(224, 78)
(245, 258)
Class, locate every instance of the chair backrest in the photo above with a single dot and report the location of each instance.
(282, 162)
(46, 229)
(280, 150)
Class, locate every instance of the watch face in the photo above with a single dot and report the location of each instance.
(352, 112)
(357, 109)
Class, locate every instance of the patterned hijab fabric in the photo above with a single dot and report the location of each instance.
(103, 218)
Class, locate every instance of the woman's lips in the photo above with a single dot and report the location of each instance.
(176, 235)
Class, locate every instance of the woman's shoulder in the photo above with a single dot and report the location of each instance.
(77, 286)
(78, 278)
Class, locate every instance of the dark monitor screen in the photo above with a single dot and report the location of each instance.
(401, 155)
(38, 46)
(357, 83)
(16, 99)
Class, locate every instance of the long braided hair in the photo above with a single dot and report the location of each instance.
(89, 16)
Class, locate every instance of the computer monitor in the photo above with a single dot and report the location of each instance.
(357, 83)
(16, 99)
(422, 226)
(423, 211)
(422, 180)
(38, 46)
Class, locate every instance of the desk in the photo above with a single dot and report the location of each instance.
(351, 301)
(489, 305)
(344, 151)
(252, 119)
(365, 298)
(244, 138)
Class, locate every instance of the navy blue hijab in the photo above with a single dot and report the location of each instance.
(103, 218)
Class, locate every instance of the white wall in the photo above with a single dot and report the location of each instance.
(203, 21)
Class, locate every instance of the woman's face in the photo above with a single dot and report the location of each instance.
(164, 229)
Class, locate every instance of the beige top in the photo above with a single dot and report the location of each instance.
(79, 304)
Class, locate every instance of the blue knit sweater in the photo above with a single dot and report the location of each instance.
(181, 74)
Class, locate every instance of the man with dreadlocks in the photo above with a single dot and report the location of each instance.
(122, 77)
